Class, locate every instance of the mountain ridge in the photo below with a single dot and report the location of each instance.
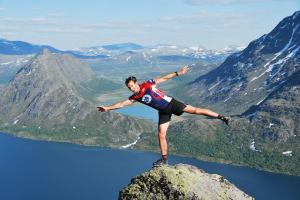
(113, 50)
(252, 73)
(42, 101)
(260, 91)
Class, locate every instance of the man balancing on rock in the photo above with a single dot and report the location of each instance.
(148, 94)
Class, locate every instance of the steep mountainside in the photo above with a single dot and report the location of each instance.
(278, 116)
(42, 86)
(10, 64)
(248, 77)
(42, 101)
(262, 85)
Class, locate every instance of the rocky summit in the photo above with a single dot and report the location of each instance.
(181, 181)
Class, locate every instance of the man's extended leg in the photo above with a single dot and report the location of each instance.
(200, 111)
(162, 132)
(203, 111)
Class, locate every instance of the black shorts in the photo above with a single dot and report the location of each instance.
(175, 107)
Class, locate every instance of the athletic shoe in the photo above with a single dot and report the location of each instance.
(160, 162)
(225, 119)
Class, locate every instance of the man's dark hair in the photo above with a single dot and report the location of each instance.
(130, 78)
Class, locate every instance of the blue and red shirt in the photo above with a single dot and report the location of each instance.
(151, 96)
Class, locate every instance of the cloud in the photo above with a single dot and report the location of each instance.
(53, 25)
(56, 14)
(2, 9)
(52, 30)
(190, 18)
(130, 26)
(9, 28)
(7, 34)
(29, 21)
(65, 30)
(165, 23)
(36, 8)
(201, 2)
(208, 19)
(112, 25)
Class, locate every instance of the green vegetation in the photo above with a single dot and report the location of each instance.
(94, 130)
(89, 90)
(226, 146)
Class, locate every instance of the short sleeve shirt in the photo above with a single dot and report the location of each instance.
(151, 96)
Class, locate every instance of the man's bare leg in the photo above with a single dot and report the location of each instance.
(162, 132)
(200, 111)
(204, 111)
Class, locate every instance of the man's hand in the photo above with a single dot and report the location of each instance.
(183, 70)
(117, 105)
(102, 108)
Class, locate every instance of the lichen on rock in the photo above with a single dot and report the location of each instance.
(180, 182)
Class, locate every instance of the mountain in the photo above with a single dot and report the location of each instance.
(43, 101)
(260, 87)
(246, 78)
(278, 116)
(21, 48)
(163, 52)
(123, 47)
(126, 51)
(181, 181)
(8, 47)
(265, 72)
(10, 64)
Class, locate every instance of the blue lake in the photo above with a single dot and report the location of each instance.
(38, 170)
(140, 111)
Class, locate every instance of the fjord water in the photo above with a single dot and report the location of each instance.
(49, 170)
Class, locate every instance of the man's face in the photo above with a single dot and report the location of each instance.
(134, 87)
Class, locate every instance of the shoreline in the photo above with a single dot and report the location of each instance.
(211, 160)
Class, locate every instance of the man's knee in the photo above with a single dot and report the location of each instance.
(190, 109)
(194, 110)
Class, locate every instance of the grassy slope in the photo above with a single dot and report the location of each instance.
(212, 141)
(93, 130)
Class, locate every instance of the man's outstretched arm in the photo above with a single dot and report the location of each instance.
(118, 105)
(182, 71)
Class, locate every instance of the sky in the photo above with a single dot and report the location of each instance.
(213, 24)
